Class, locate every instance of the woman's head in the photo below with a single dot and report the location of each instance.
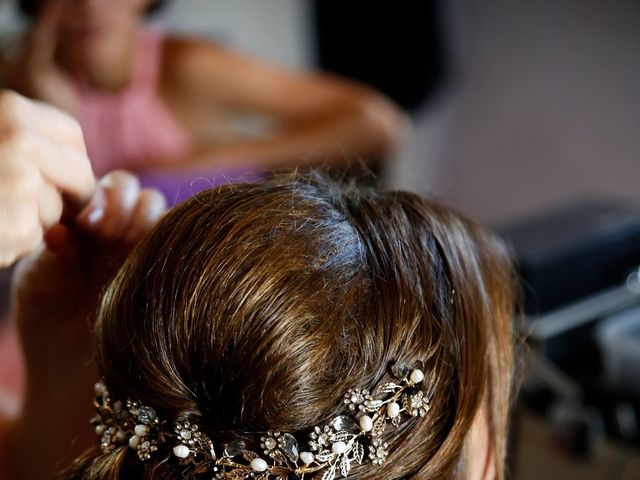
(254, 308)
(89, 33)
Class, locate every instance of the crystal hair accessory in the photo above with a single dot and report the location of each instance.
(352, 438)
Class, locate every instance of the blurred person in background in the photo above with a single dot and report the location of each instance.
(146, 101)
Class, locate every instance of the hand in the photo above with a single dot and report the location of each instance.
(37, 74)
(56, 289)
(42, 158)
(55, 295)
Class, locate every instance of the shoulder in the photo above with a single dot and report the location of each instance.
(183, 51)
(195, 63)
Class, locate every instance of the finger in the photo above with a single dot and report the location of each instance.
(150, 208)
(110, 210)
(49, 205)
(19, 241)
(38, 117)
(20, 226)
(33, 242)
(47, 138)
(11, 252)
(66, 169)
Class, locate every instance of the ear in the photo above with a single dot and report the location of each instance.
(479, 453)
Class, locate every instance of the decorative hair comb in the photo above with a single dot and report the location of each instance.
(351, 438)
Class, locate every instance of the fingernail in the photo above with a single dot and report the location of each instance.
(95, 216)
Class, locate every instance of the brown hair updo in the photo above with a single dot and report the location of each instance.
(256, 307)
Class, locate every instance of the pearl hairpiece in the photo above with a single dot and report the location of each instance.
(347, 439)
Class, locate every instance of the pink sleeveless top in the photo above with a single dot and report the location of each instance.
(123, 129)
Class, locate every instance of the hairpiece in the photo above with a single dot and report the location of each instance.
(351, 438)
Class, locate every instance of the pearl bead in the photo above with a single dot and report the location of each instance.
(417, 376)
(307, 457)
(366, 423)
(181, 451)
(393, 410)
(134, 442)
(100, 388)
(258, 465)
(141, 430)
(339, 447)
(100, 429)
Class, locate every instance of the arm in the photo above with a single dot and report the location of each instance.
(318, 118)
(5, 422)
(55, 295)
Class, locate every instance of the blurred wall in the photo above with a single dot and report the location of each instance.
(545, 108)
(276, 30)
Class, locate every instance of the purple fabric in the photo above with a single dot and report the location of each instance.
(180, 185)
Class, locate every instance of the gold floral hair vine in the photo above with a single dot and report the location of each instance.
(351, 438)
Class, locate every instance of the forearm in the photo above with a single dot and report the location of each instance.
(51, 431)
(52, 427)
(48, 436)
(340, 137)
(5, 425)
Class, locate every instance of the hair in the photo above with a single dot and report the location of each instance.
(31, 8)
(256, 307)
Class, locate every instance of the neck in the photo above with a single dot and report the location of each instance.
(113, 68)
(112, 76)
